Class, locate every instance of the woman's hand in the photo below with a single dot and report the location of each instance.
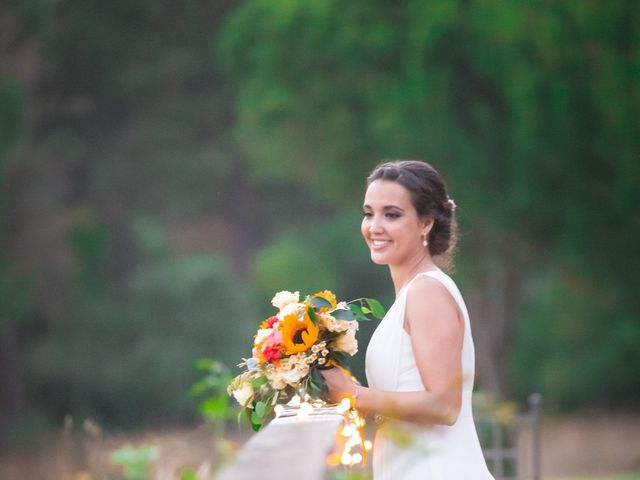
(340, 384)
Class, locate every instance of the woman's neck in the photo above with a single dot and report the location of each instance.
(402, 274)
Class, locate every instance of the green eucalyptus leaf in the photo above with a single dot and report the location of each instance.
(365, 310)
(341, 358)
(343, 314)
(317, 382)
(312, 315)
(320, 302)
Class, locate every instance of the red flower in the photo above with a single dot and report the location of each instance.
(268, 323)
(271, 353)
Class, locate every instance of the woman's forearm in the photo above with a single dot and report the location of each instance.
(420, 406)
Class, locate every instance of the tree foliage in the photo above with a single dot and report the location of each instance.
(527, 107)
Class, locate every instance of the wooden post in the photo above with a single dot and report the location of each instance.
(535, 403)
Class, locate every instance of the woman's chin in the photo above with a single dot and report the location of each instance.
(379, 259)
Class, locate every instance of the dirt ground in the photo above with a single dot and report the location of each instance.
(591, 444)
(580, 446)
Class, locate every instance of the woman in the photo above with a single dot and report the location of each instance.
(420, 361)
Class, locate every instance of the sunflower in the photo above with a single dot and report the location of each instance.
(298, 335)
(329, 296)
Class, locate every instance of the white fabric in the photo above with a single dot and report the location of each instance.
(434, 453)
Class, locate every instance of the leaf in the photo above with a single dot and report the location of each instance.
(261, 409)
(259, 381)
(365, 310)
(256, 426)
(312, 315)
(204, 363)
(376, 307)
(216, 408)
(341, 358)
(188, 473)
(343, 314)
(319, 302)
(200, 387)
(357, 312)
(256, 420)
(317, 382)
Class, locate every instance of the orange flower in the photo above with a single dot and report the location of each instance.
(298, 335)
(329, 296)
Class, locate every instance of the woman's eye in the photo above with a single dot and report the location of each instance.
(367, 214)
(392, 215)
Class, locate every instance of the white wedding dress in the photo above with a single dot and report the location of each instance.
(426, 453)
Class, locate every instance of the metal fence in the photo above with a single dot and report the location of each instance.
(511, 444)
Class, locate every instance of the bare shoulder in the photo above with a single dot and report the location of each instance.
(429, 301)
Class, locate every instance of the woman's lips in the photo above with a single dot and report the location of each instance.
(379, 244)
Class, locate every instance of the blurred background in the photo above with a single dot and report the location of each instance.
(165, 167)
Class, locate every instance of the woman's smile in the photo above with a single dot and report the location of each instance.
(378, 243)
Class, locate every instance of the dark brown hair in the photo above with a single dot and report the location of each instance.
(428, 193)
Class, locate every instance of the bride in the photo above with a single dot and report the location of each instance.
(420, 360)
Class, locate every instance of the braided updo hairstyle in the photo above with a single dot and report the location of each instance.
(429, 197)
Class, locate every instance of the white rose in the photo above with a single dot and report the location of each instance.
(240, 388)
(347, 342)
(281, 299)
(262, 335)
(243, 394)
(289, 309)
(294, 369)
(333, 324)
(293, 376)
(276, 378)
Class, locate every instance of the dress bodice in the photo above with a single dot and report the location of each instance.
(443, 452)
(390, 363)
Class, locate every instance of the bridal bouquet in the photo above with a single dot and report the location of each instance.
(292, 346)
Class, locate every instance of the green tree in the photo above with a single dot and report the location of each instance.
(15, 300)
(528, 108)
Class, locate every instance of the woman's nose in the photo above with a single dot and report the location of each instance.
(375, 226)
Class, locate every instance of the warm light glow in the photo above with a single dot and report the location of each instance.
(344, 406)
(294, 402)
(306, 409)
(351, 446)
(354, 441)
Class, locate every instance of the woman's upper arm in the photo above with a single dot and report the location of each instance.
(436, 328)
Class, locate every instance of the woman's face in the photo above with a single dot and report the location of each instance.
(391, 226)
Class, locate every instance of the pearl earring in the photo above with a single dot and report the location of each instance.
(424, 241)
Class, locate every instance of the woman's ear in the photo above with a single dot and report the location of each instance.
(427, 225)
